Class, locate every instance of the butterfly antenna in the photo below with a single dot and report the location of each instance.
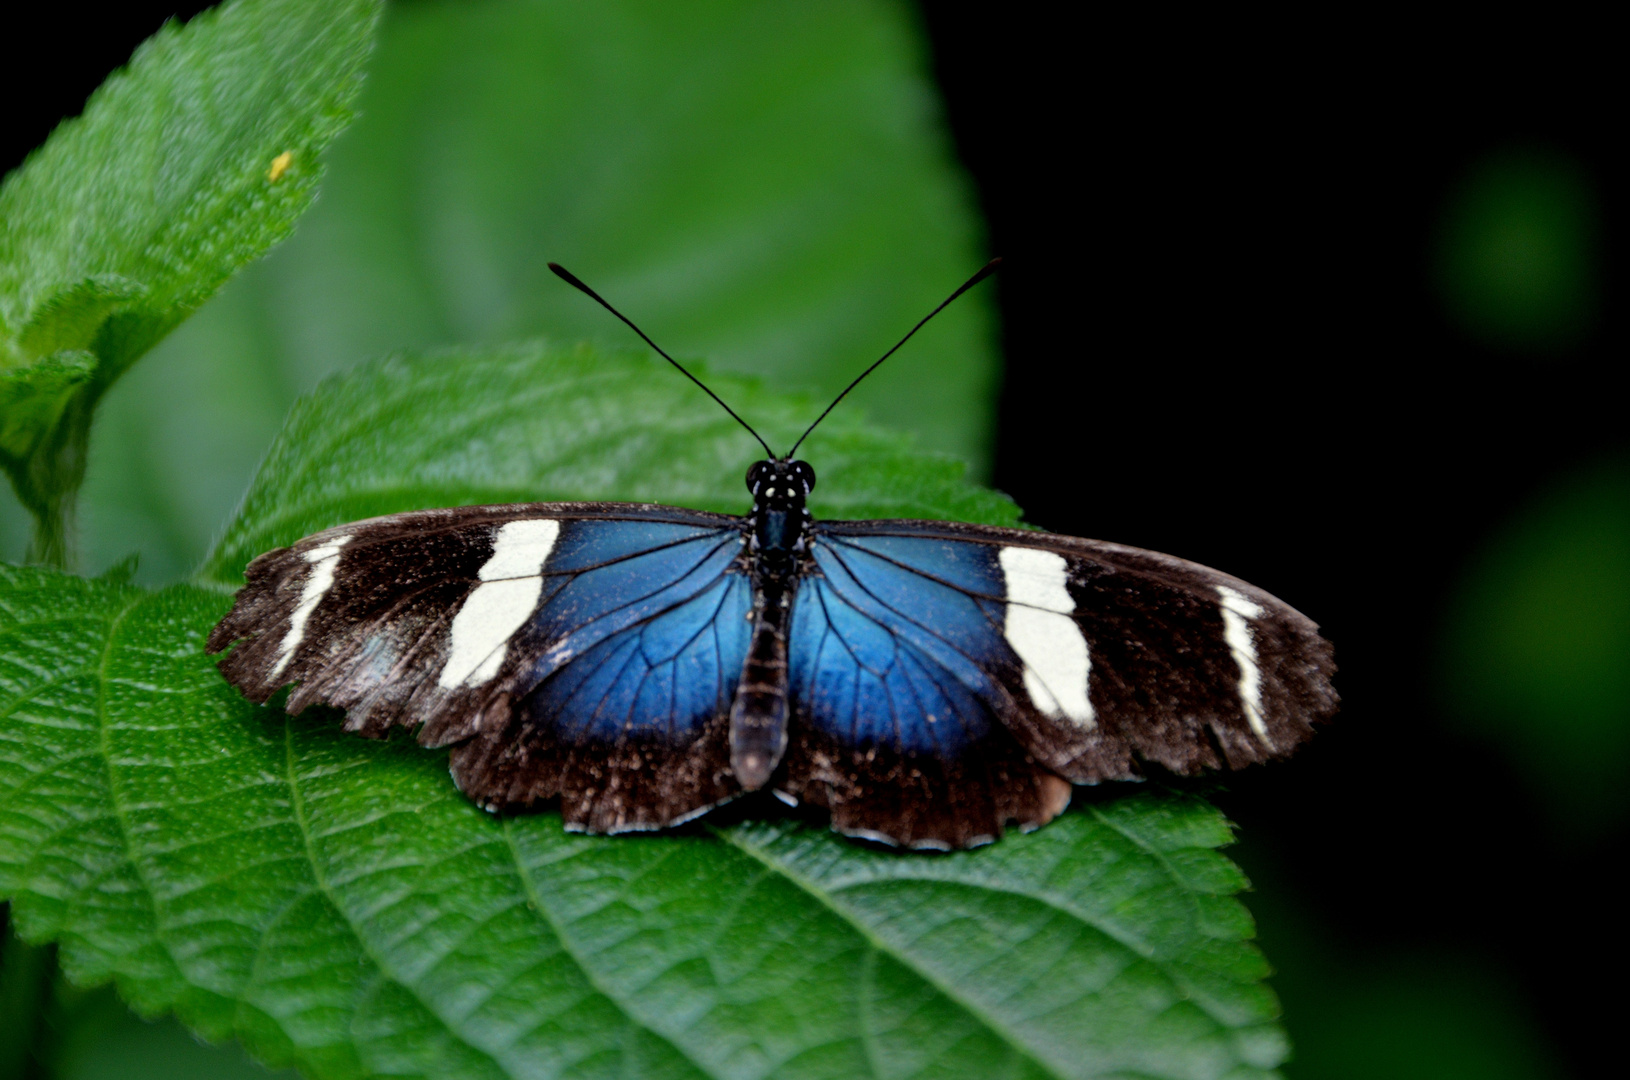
(984, 272)
(571, 279)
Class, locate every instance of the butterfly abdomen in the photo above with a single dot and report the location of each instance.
(758, 713)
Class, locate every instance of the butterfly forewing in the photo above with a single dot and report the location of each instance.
(561, 645)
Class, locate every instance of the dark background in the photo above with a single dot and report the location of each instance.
(1224, 339)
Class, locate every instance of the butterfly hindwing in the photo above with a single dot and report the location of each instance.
(975, 663)
(893, 676)
(586, 650)
(627, 715)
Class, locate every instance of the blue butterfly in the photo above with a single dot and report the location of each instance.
(928, 683)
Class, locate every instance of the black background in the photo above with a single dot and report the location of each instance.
(1222, 342)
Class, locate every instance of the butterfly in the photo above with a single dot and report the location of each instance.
(927, 683)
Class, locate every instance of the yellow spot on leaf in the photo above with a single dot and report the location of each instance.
(280, 165)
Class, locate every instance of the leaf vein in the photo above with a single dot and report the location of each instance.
(536, 903)
(298, 805)
(972, 1008)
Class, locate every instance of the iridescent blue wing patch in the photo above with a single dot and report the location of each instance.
(582, 650)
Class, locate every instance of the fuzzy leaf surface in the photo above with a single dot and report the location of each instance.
(134, 213)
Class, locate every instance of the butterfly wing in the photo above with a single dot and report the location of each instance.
(946, 675)
(588, 650)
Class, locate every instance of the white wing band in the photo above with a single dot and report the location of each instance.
(511, 583)
(1237, 610)
(324, 560)
(1047, 639)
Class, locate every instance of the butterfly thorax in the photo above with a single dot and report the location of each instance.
(779, 518)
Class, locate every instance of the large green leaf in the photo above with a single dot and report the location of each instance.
(337, 904)
(764, 184)
(184, 167)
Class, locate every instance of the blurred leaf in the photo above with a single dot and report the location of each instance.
(177, 441)
(122, 1046)
(1378, 1008)
(530, 423)
(1517, 258)
(764, 184)
(89, 1034)
(1538, 654)
(25, 981)
(1416, 1018)
(338, 905)
(133, 214)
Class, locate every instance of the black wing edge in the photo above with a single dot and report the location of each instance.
(454, 517)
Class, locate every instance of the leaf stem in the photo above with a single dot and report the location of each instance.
(47, 481)
(50, 543)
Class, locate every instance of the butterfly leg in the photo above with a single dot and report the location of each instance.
(758, 715)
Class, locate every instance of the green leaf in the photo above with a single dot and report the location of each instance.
(184, 167)
(766, 185)
(532, 422)
(338, 905)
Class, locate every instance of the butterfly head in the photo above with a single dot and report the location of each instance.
(780, 484)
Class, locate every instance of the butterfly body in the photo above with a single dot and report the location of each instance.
(777, 526)
(929, 683)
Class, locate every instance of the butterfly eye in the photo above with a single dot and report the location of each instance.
(805, 475)
(755, 473)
